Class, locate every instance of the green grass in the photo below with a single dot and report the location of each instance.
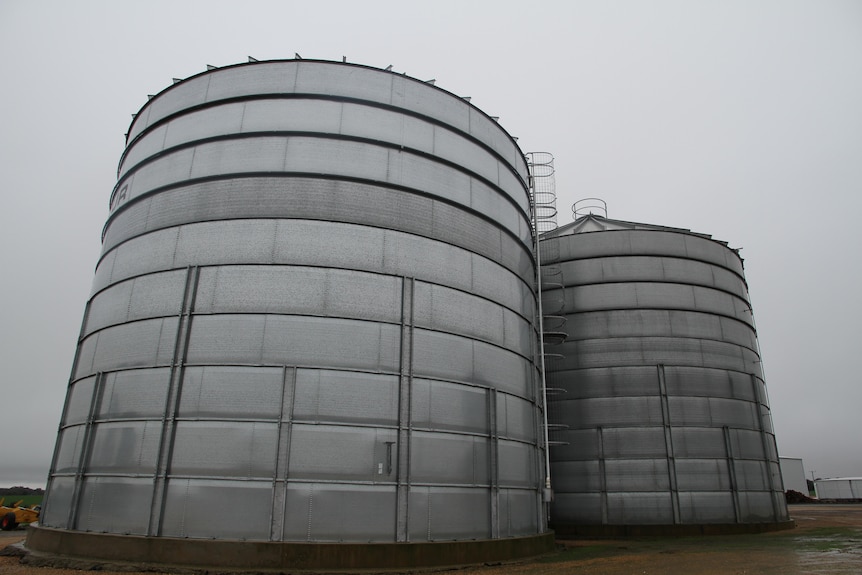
(28, 500)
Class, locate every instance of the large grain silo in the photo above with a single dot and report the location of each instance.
(658, 412)
(312, 321)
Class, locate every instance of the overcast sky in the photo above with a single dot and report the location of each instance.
(740, 119)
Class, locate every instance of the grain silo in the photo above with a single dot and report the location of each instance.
(659, 417)
(312, 321)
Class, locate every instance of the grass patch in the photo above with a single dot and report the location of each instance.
(829, 539)
(28, 500)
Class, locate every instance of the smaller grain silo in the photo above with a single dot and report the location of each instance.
(658, 411)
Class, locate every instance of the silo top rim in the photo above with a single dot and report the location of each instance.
(840, 479)
(595, 223)
(215, 69)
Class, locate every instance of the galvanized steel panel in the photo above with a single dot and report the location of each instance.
(386, 125)
(632, 351)
(442, 406)
(751, 475)
(206, 123)
(326, 79)
(260, 154)
(517, 463)
(269, 78)
(706, 508)
(502, 369)
(440, 514)
(139, 393)
(747, 444)
(142, 148)
(246, 241)
(699, 442)
(488, 132)
(329, 452)
(151, 253)
(659, 323)
(314, 243)
(224, 449)
(163, 170)
(296, 115)
(516, 418)
(147, 343)
(125, 447)
(232, 392)
(443, 309)
(436, 103)
(188, 93)
(612, 412)
(711, 411)
(336, 513)
(698, 381)
(448, 458)
(486, 200)
(578, 508)
(455, 148)
(758, 506)
(629, 443)
(655, 295)
(295, 289)
(114, 505)
(346, 159)
(576, 477)
(639, 508)
(191, 509)
(518, 515)
(626, 268)
(70, 446)
(606, 382)
(702, 475)
(429, 346)
(576, 444)
(325, 395)
(56, 514)
(294, 340)
(650, 243)
(641, 475)
(713, 252)
(80, 401)
(143, 297)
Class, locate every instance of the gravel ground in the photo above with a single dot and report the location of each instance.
(827, 540)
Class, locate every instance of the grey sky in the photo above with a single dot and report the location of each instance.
(740, 119)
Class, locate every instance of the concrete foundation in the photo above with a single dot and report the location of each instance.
(95, 550)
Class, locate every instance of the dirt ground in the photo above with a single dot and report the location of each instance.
(826, 541)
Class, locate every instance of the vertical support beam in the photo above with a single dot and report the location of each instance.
(405, 385)
(282, 454)
(172, 402)
(731, 470)
(493, 463)
(668, 443)
(603, 481)
(86, 450)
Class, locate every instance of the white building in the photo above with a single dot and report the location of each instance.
(793, 473)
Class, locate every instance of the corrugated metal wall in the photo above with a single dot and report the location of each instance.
(658, 412)
(312, 319)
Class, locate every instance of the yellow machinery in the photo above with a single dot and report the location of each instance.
(12, 516)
